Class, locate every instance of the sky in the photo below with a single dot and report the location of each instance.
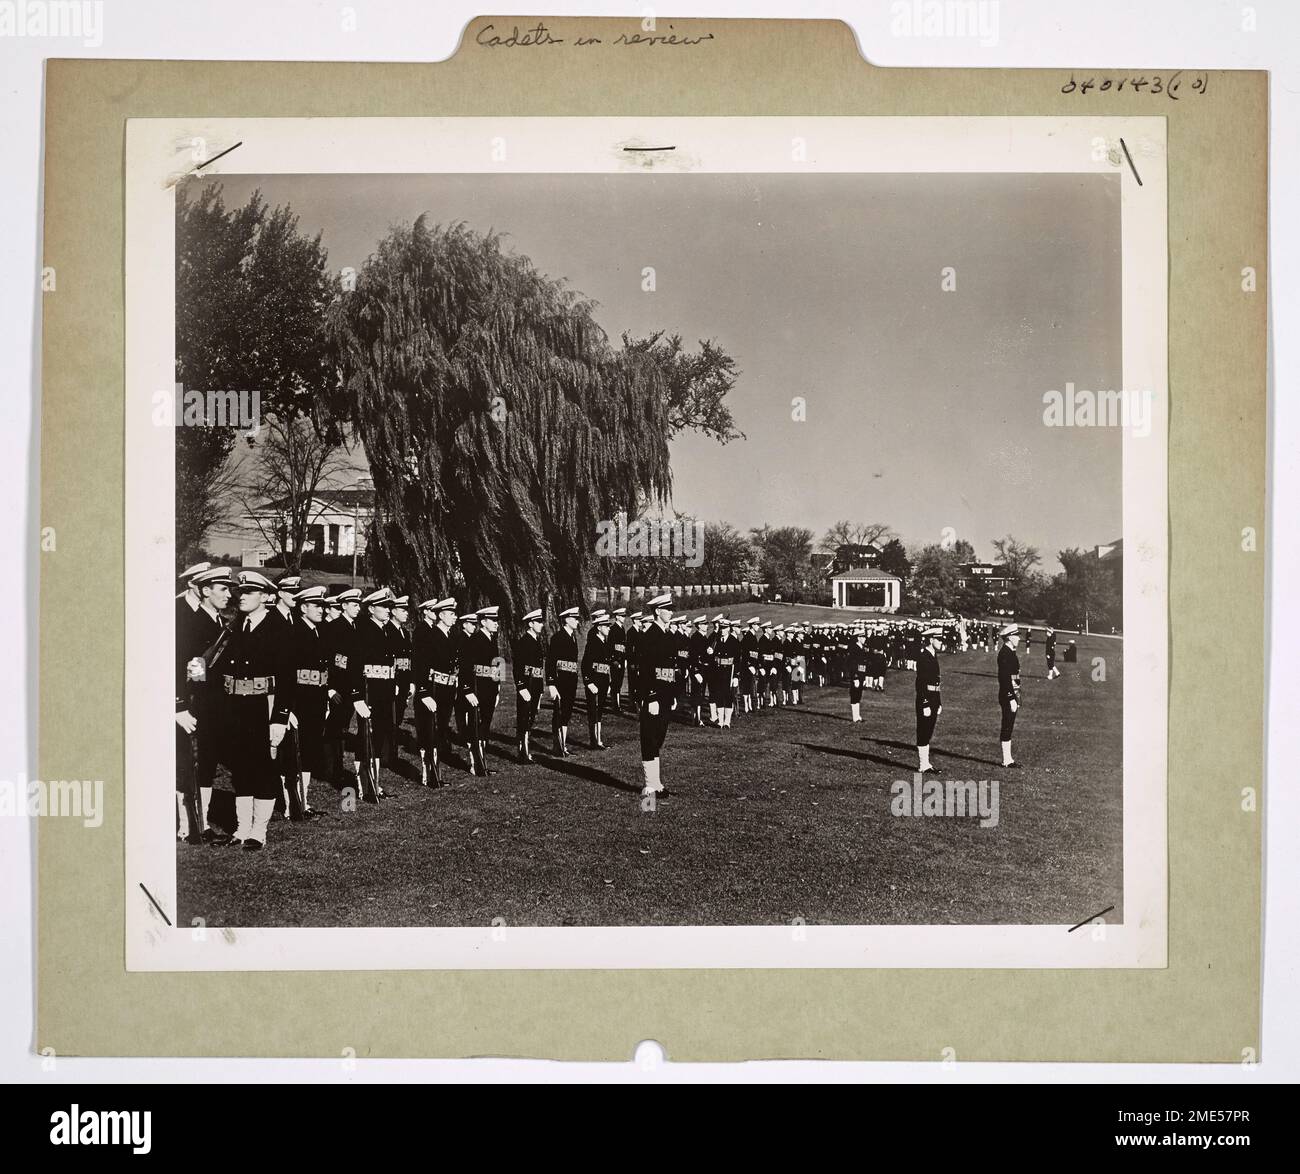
(924, 408)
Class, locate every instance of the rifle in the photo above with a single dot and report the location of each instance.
(365, 771)
(293, 776)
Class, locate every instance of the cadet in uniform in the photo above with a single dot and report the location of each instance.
(488, 671)
(286, 590)
(617, 657)
(199, 632)
(1050, 649)
(310, 696)
(341, 647)
(929, 703)
(529, 661)
(373, 678)
(1008, 688)
(723, 676)
(699, 665)
(258, 681)
(403, 675)
(749, 665)
(658, 672)
(633, 638)
(562, 677)
(289, 801)
(597, 670)
(682, 647)
(422, 684)
(859, 672)
(466, 698)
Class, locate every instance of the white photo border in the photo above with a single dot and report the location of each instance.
(159, 152)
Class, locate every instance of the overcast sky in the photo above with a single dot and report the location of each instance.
(924, 408)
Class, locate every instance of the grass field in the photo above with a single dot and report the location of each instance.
(787, 815)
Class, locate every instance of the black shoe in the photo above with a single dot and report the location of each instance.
(251, 845)
(311, 815)
(195, 838)
(1013, 765)
(233, 843)
(929, 770)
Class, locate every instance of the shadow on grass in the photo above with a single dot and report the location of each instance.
(933, 750)
(589, 774)
(860, 755)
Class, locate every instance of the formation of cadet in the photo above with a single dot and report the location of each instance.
(276, 693)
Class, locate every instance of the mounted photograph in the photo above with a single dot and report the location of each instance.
(706, 542)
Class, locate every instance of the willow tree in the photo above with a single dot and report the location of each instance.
(499, 422)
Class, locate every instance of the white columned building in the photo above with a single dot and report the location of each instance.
(867, 589)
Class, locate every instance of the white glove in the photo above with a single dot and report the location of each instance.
(277, 735)
(1014, 705)
(363, 710)
(699, 680)
(735, 681)
(925, 711)
(653, 707)
(471, 699)
(591, 688)
(525, 695)
(187, 721)
(293, 721)
(554, 692)
(430, 704)
(196, 669)
(940, 711)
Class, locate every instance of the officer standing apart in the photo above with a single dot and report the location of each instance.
(562, 677)
(1050, 647)
(658, 661)
(929, 704)
(529, 661)
(1008, 688)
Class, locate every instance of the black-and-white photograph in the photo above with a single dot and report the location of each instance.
(661, 546)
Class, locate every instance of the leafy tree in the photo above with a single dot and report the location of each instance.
(695, 384)
(784, 554)
(1086, 593)
(894, 560)
(294, 461)
(1018, 557)
(964, 551)
(251, 293)
(934, 578)
(499, 423)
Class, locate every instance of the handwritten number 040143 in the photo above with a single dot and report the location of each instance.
(1155, 84)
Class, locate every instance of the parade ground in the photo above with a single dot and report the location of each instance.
(789, 815)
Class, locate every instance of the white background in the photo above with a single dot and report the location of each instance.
(1044, 33)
